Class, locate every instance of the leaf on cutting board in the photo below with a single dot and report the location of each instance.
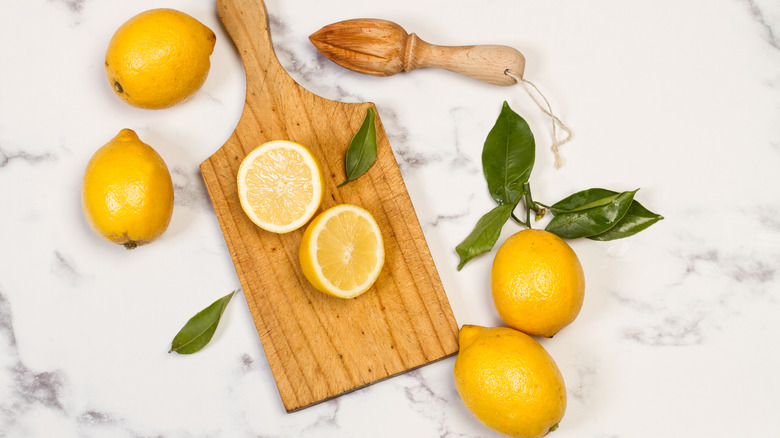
(485, 234)
(361, 152)
(199, 330)
(508, 157)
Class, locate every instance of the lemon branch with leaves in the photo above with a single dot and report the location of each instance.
(508, 157)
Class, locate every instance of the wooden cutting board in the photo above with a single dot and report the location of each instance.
(319, 347)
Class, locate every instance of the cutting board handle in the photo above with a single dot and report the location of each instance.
(236, 14)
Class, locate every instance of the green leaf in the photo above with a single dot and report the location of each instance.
(636, 219)
(361, 152)
(583, 200)
(508, 157)
(484, 235)
(199, 330)
(591, 221)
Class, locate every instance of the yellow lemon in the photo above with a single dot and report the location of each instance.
(537, 283)
(159, 58)
(508, 381)
(280, 186)
(127, 192)
(342, 252)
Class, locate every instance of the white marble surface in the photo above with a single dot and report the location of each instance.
(678, 333)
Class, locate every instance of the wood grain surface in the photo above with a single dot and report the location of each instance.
(319, 347)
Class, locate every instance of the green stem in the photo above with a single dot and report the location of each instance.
(531, 205)
(528, 204)
(519, 221)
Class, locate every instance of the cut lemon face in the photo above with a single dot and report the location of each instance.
(280, 186)
(341, 252)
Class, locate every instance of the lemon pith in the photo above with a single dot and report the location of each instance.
(127, 191)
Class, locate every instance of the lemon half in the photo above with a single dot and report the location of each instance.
(342, 252)
(280, 186)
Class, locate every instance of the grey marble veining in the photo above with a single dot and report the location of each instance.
(761, 12)
(676, 334)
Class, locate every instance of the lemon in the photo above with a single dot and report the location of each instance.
(280, 186)
(342, 252)
(537, 283)
(158, 58)
(508, 381)
(127, 192)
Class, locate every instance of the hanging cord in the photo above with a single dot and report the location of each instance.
(555, 120)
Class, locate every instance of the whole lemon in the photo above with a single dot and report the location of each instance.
(508, 381)
(127, 192)
(537, 283)
(159, 58)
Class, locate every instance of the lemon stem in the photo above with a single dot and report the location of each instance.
(531, 205)
(518, 220)
(130, 245)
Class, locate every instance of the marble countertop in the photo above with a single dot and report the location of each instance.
(677, 335)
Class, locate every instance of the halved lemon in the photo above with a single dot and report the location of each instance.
(341, 252)
(280, 186)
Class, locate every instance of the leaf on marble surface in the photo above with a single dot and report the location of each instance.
(507, 161)
(583, 200)
(636, 219)
(199, 330)
(588, 207)
(485, 234)
(508, 157)
(361, 153)
(592, 218)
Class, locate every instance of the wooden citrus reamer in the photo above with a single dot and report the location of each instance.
(383, 48)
